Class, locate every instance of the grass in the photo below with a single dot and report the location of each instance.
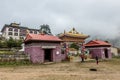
(114, 61)
(106, 70)
(15, 63)
(6, 52)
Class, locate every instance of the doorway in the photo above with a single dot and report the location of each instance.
(106, 53)
(48, 55)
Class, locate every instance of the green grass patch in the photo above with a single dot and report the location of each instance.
(6, 52)
(15, 63)
(116, 57)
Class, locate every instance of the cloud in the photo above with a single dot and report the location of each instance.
(88, 16)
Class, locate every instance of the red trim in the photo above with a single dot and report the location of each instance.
(40, 37)
(97, 43)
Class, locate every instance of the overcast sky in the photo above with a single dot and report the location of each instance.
(92, 17)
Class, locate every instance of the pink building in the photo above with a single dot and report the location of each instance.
(99, 48)
(43, 48)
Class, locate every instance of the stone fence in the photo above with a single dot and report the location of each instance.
(13, 57)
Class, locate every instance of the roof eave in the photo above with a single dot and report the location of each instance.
(3, 28)
(97, 45)
(74, 36)
(44, 40)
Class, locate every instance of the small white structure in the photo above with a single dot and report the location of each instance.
(114, 51)
(23, 47)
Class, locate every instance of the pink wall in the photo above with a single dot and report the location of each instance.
(37, 53)
(100, 52)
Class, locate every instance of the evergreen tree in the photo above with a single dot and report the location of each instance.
(45, 29)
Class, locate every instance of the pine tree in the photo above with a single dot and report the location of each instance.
(45, 29)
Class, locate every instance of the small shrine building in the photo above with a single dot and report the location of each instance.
(99, 48)
(43, 48)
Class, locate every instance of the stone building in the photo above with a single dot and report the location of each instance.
(99, 48)
(43, 48)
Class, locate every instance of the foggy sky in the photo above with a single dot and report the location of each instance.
(92, 17)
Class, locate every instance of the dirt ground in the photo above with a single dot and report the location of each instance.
(106, 70)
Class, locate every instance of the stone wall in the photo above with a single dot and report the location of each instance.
(36, 52)
(100, 52)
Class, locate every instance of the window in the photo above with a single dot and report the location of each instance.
(15, 34)
(23, 30)
(35, 32)
(16, 30)
(22, 34)
(10, 33)
(31, 31)
(10, 29)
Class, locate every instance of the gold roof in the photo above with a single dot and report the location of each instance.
(73, 33)
(15, 24)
